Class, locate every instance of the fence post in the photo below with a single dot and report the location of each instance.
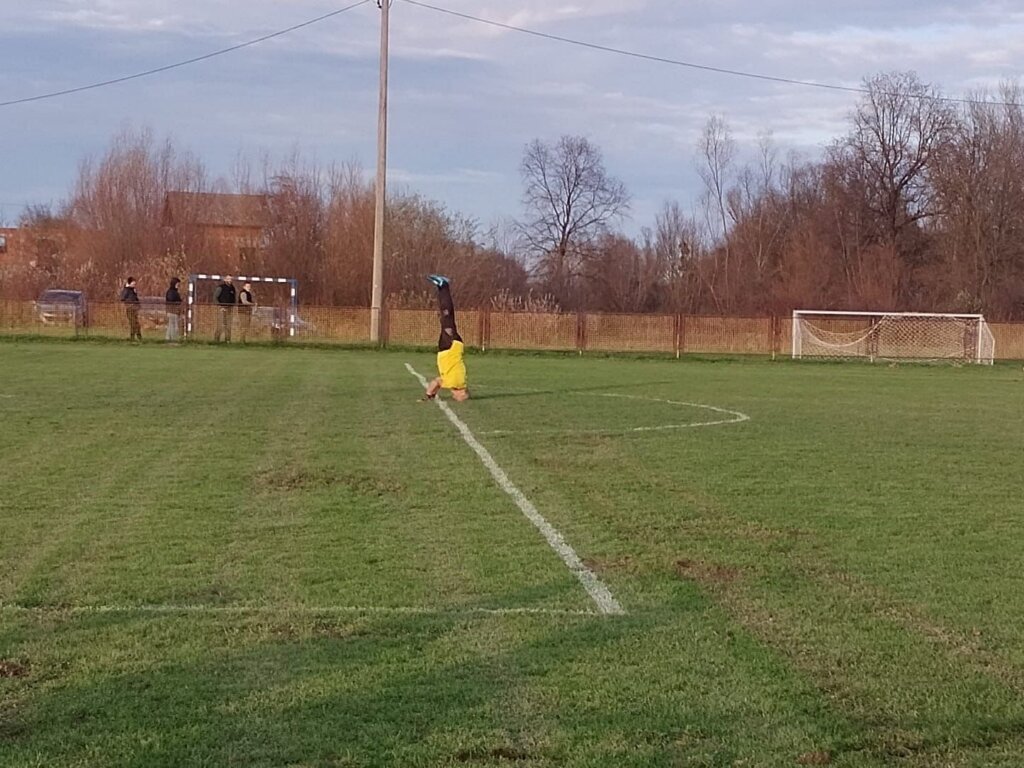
(484, 328)
(682, 335)
(581, 331)
(385, 325)
(677, 323)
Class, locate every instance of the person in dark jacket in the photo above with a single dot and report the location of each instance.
(225, 297)
(131, 309)
(173, 309)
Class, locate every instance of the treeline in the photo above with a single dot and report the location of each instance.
(919, 206)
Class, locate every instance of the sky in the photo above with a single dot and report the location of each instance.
(466, 97)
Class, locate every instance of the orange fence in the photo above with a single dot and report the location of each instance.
(486, 329)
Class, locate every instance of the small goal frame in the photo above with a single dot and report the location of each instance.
(195, 278)
(977, 355)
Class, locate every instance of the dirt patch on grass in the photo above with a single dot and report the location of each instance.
(511, 754)
(604, 565)
(294, 479)
(712, 574)
(12, 668)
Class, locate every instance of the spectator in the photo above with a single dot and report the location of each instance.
(246, 304)
(131, 309)
(173, 309)
(225, 297)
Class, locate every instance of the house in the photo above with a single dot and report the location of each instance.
(234, 225)
(14, 244)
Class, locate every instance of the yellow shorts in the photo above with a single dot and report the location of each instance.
(452, 367)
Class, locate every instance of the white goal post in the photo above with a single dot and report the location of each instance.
(921, 336)
(192, 300)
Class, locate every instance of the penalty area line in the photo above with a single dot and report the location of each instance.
(599, 593)
(304, 610)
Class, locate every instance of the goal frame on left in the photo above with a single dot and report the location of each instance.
(195, 278)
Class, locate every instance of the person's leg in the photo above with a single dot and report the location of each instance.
(220, 325)
(449, 331)
(131, 327)
(432, 389)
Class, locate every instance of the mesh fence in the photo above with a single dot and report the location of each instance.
(640, 333)
(667, 334)
(533, 330)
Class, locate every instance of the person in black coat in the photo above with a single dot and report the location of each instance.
(225, 298)
(131, 309)
(172, 301)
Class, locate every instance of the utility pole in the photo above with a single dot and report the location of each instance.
(382, 172)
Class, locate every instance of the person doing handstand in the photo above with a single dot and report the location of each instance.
(451, 364)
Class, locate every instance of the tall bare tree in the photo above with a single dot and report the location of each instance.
(570, 200)
(716, 153)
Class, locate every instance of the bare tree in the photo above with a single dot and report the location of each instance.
(676, 247)
(570, 199)
(716, 153)
(981, 196)
(897, 130)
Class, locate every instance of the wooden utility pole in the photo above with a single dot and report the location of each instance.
(376, 300)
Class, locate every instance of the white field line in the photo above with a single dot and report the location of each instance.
(599, 593)
(735, 417)
(304, 610)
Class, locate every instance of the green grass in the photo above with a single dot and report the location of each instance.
(277, 557)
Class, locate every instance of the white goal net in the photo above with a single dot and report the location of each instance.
(892, 336)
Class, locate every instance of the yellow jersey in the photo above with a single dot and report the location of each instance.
(452, 367)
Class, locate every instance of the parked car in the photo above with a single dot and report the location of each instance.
(153, 311)
(58, 306)
(275, 320)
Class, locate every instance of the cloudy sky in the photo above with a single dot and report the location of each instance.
(467, 97)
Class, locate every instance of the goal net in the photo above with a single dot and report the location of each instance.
(874, 336)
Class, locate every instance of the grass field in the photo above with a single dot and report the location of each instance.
(277, 557)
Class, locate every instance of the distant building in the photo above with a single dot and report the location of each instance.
(14, 244)
(234, 225)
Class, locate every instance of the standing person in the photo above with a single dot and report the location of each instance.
(246, 304)
(173, 309)
(450, 350)
(131, 309)
(225, 297)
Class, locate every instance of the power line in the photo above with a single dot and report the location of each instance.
(690, 64)
(194, 60)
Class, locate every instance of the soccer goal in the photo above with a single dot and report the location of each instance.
(285, 321)
(920, 336)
